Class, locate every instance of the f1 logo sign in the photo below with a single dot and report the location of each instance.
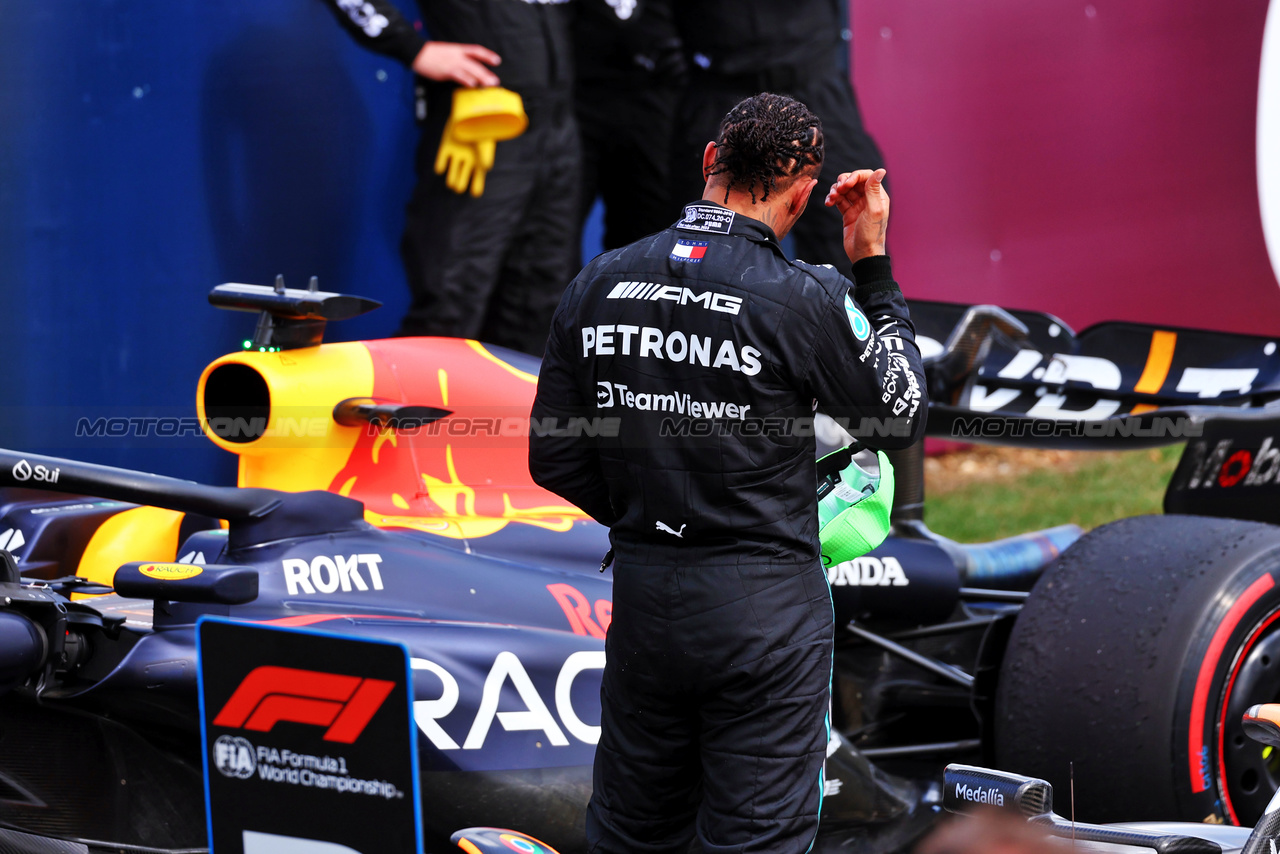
(268, 695)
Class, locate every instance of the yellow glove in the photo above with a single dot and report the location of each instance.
(480, 119)
(485, 150)
(460, 159)
(489, 112)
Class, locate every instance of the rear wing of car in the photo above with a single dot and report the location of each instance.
(1026, 378)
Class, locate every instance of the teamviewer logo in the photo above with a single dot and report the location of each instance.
(604, 395)
(269, 695)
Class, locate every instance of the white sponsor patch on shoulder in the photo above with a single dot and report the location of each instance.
(706, 218)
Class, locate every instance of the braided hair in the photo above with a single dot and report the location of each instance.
(764, 138)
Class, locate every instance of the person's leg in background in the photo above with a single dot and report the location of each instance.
(453, 244)
(536, 266)
(818, 234)
(634, 175)
(698, 118)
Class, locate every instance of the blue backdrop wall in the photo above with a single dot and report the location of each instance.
(151, 149)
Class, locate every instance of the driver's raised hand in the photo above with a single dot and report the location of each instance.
(864, 207)
(467, 64)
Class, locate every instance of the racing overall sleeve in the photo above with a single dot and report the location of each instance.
(379, 26)
(866, 364)
(563, 459)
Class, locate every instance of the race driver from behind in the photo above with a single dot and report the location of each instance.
(708, 351)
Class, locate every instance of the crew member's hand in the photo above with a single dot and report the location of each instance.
(864, 207)
(467, 64)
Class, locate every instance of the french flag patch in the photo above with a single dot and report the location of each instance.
(689, 250)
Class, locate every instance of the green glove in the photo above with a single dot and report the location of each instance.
(853, 506)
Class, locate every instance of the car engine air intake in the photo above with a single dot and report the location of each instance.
(276, 412)
(237, 403)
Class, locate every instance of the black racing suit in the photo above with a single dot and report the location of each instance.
(494, 267)
(675, 404)
(736, 50)
(630, 73)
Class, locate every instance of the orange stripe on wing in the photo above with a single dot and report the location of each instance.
(1159, 359)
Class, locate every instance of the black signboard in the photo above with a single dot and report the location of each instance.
(309, 746)
(1231, 470)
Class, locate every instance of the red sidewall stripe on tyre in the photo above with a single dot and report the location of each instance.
(1226, 701)
(1195, 743)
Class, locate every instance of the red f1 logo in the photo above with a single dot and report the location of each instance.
(268, 695)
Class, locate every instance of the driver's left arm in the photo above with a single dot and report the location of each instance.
(866, 363)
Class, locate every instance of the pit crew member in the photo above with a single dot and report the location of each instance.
(489, 264)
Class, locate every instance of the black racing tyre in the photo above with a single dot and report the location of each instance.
(1134, 658)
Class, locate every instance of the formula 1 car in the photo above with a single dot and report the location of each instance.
(383, 493)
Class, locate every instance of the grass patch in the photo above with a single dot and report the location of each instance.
(1087, 488)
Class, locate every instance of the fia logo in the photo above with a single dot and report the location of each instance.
(233, 757)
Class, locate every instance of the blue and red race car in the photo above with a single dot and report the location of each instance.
(383, 493)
